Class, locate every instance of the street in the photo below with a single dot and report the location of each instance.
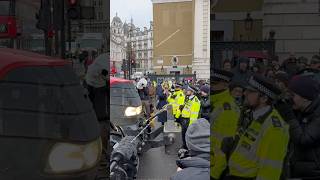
(156, 165)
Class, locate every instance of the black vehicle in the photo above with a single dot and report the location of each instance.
(125, 106)
(48, 129)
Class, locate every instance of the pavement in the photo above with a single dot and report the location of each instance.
(156, 164)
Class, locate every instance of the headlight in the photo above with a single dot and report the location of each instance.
(133, 111)
(65, 157)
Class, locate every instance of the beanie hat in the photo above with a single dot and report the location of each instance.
(205, 89)
(198, 137)
(305, 87)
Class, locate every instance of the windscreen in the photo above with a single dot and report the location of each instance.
(46, 102)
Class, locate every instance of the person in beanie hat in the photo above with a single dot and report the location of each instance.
(304, 126)
(224, 118)
(205, 102)
(261, 142)
(305, 90)
(188, 113)
(197, 165)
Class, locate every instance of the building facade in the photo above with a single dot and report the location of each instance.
(99, 23)
(181, 37)
(141, 41)
(117, 43)
(294, 24)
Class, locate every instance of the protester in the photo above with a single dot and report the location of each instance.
(242, 73)
(205, 102)
(162, 101)
(290, 66)
(304, 127)
(227, 65)
(197, 166)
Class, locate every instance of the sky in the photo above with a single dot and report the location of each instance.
(139, 10)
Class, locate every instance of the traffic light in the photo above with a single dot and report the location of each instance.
(124, 65)
(73, 9)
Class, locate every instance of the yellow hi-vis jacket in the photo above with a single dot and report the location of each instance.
(261, 149)
(224, 119)
(190, 110)
(176, 99)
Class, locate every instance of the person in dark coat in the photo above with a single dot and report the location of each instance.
(290, 66)
(242, 73)
(162, 101)
(304, 127)
(205, 102)
(197, 165)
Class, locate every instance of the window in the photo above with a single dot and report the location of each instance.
(217, 35)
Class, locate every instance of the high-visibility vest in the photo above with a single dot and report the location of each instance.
(190, 110)
(261, 149)
(224, 119)
(178, 100)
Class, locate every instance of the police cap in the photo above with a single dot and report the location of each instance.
(221, 75)
(192, 88)
(178, 85)
(263, 85)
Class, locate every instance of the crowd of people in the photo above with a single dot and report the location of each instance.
(190, 102)
(265, 120)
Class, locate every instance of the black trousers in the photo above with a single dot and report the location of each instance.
(184, 122)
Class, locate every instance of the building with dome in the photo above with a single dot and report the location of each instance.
(140, 41)
(117, 43)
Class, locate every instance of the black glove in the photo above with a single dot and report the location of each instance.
(174, 96)
(178, 120)
(285, 110)
(227, 145)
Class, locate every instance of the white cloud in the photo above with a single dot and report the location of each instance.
(139, 10)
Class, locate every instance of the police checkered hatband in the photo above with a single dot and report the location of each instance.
(220, 76)
(262, 88)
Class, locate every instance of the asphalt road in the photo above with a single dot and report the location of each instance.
(156, 164)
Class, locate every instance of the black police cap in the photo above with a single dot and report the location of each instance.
(192, 88)
(221, 75)
(264, 85)
(179, 85)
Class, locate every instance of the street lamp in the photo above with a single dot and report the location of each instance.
(248, 22)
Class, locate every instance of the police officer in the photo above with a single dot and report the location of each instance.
(188, 113)
(224, 118)
(260, 148)
(176, 98)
